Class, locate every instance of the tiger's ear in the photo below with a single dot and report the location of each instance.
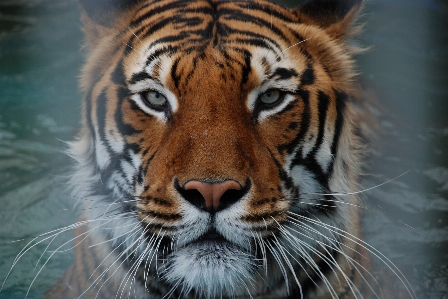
(335, 16)
(102, 17)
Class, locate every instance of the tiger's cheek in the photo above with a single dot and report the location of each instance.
(143, 132)
(283, 132)
(147, 137)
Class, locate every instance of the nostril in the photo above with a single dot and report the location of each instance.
(230, 197)
(212, 196)
(194, 197)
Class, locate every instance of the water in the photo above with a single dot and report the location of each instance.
(406, 68)
(39, 107)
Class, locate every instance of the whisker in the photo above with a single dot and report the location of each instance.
(280, 264)
(367, 247)
(120, 255)
(361, 191)
(329, 259)
(310, 261)
(30, 244)
(324, 205)
(296, 44)
(133, 269)
(285, 258)
(45, 263)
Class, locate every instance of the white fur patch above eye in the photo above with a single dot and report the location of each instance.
(157, 70)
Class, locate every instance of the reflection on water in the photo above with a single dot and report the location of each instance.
(406, 219)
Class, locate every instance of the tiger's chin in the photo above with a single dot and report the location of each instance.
(210, 268)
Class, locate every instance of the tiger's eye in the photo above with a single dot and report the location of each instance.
(155, 98)
(271, 96)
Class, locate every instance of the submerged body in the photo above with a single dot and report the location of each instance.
(217, 156)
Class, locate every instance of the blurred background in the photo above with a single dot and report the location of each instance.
(406, 70)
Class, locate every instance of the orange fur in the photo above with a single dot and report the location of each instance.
(213, 68)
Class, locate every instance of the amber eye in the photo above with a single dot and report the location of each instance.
(154, 99)
(271, 96)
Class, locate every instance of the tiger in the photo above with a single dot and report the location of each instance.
(218, 155)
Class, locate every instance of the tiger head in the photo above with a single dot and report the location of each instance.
(215, 137)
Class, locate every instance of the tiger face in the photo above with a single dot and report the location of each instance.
(216, 137)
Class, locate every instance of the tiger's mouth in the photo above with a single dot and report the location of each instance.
(211, 236)
(210, 260)
(208, 243)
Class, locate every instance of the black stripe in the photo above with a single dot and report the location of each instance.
(310, 161)
(322, 108)
(157, 10)
(152, 28)
(124, 128)
(101, 111)
(293, 125)
(206, 10)
(299, 38)
(262, 23)
(88, 112)
(284, 74)
(288, 107)
(140, 77)
(307, 77)
(252, 42)
(341, 104)
(267, 9)
(225, 31)
(117, 75)
(304, 124)
(174, 76)
(287, 180)
(188, 76)
(189, 22)
(246, 67)
(179, 36)
(146, 163)
(162, 216)
(160, 52)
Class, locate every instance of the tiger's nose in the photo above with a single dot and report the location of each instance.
(213, 197)
(212, 193)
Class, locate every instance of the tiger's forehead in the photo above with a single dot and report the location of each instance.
(254, 71)
(236, 31)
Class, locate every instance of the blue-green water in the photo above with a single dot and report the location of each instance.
(39, 107)
(407, 67)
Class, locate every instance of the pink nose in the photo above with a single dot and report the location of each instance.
(212, 192)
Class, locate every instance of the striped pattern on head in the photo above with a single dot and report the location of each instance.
(213, 129)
